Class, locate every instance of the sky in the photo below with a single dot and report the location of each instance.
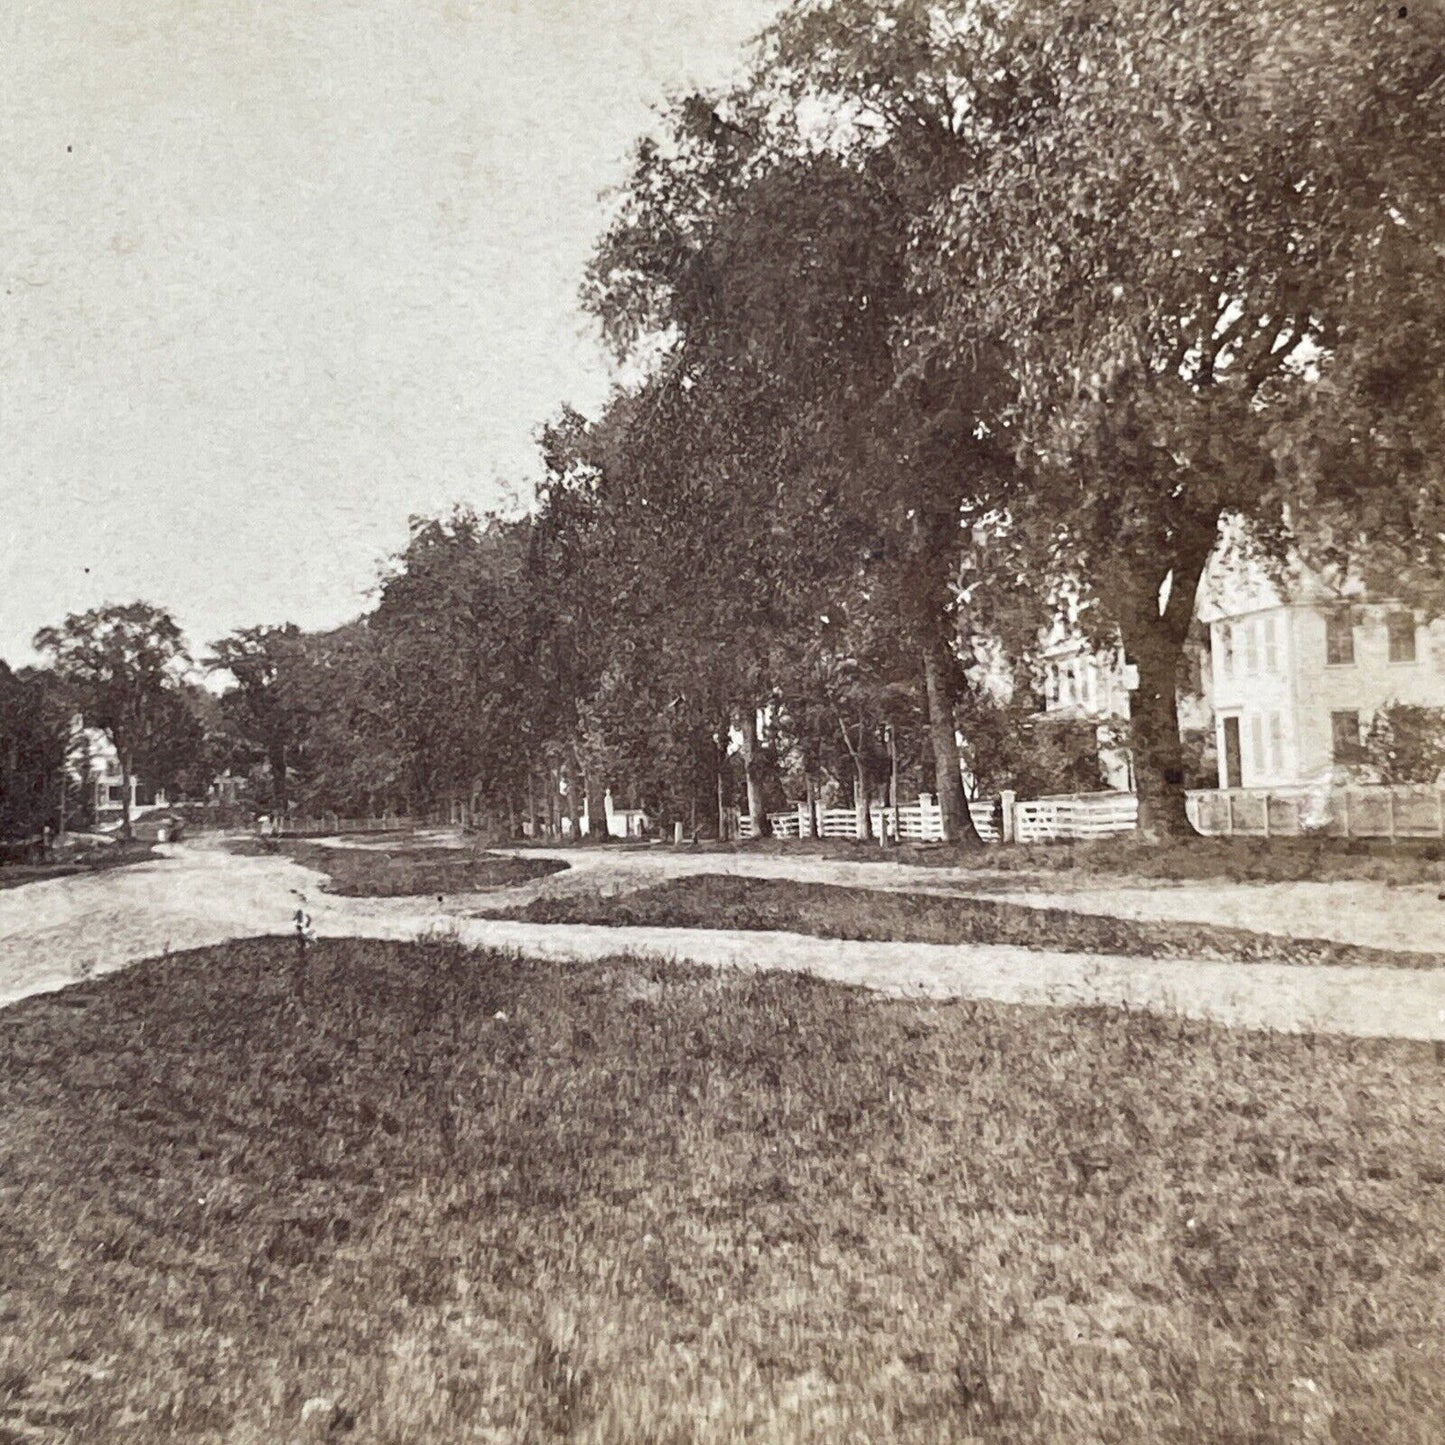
(280, 274)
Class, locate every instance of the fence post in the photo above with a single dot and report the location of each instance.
(1345, 808)
(1266, 813)
(1229, 814)
(1440, 812)
(1390, 814)
(1006, 800)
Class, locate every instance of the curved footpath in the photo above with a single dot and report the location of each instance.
(53, 933)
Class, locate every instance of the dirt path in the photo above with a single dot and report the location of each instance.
(52, 933)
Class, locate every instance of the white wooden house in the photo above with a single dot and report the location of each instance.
(104, 782)
(1295, 666)
(1301, 666)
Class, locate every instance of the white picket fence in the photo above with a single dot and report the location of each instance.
(1075, 817)
(1330, 811)
(921, 822)
(335, 823)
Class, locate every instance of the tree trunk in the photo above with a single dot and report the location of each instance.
(860, 801)
(958, 825)
(566, 777)
(1154, 641)
(1154, 728)
(756, 810)
(811, 790)
(889, 833)
(596, 813)
(280, 798)
(722, 811)
(127, 831)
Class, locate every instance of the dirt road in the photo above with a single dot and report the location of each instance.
(56, 932)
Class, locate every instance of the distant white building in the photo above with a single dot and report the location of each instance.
(103, 782)
(1083, 684)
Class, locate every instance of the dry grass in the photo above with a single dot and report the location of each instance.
(94, 860)
(831, 911)
(1241, 860)
(408, 871)
(471, 1199)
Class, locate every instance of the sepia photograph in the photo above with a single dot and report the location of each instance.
(722, 722)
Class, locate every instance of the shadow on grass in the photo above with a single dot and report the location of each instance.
(1240, 860)
(96, 860)
(827, 910)
(406, 871)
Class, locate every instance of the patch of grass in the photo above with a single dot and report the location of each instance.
(470, 1198)
(413, 871)
(827, 910)
(1241, 860)
(96, 860)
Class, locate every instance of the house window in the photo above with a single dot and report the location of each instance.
(1401, 627)
(1345, 735)
(1271, 651)
(1339, 639)
(1256, 742)
(1251, 648)
(1226, 649)
(1276, 745)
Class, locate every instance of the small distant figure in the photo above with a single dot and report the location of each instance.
(46, 843)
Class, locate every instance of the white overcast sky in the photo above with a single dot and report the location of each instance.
(280, 273)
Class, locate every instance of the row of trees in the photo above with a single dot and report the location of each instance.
(954, 311)
(298, 712)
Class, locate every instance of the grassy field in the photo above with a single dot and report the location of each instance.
(832, 911)
(409, 870)
(97, 860)
(462, 1198)
(1241, 860)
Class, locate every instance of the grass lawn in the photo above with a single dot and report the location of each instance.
(1241, 860)
(470, 1199)
(114, 855)
(828, 910)
(407, 871)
